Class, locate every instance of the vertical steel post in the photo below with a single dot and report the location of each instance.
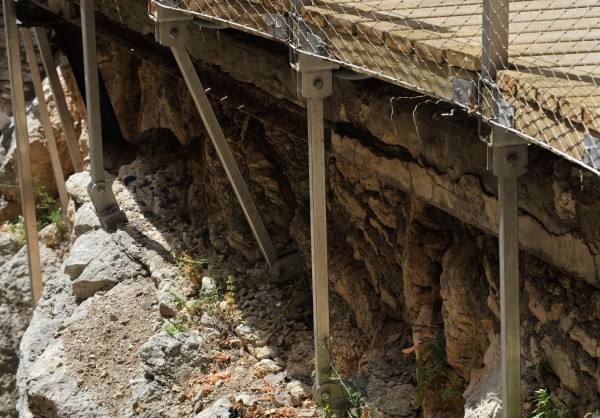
(23, 155)
(315, 83)
(318, 237)
(508, 159)
(59, 98)
(509, 297)
(45, 118)
(100, 193)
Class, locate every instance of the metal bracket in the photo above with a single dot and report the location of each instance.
(172, 25)
(504, 112)
(464, 92)
(507, 153)
(591, 156)
(278, 26)
(331, 395)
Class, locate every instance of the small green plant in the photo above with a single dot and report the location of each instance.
(176, 326)
(190, 267)
(47, 211)
(16, 229)
(543, 405)
(356, 406)
(433, 373)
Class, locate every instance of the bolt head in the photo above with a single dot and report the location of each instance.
(318, 83)
(325, 397)
(512, 159)
(174, 32)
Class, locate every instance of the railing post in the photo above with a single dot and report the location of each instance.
(23, 154)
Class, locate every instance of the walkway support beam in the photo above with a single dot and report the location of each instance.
(36, 77)
(172, 31)
(23, 153)
(509, 160)
(59, 97)
(315, 84)
(101, 195)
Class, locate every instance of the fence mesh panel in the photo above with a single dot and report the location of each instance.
(550, 78)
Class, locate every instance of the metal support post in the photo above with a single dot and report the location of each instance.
(23, 155)
(59, 98)
(315, 83)
(507, 158)
(509, 161)
(45, 118)
(172, 31)
(100, 192)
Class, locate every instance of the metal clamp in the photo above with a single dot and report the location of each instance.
(592, 151)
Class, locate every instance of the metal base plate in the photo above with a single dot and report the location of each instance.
(331, 395)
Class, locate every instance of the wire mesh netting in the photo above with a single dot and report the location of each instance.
(549, 77)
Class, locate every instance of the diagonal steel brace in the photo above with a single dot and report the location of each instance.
(23, 154)
(172, 31)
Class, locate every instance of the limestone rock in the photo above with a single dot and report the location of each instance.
(15, 312)
(162, 354)
(298, 392)
(77, 187)
(484, 399)
(8, 246)
(265, 367)
(85, 249)
(218, 409)
(85, 220)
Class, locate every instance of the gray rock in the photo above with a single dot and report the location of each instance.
(97, 263)
(265, 367)
(85, 220)
(8, 246)
(298, 392)
(15, 312)
(104, 272)
(77, 187)
(164, 357)
(209, 286)
(483, 399)
(219, 409)
(86, 248)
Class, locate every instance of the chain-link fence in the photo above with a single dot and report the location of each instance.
(532, 65)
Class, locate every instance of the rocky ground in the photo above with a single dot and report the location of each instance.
(148, 321)
(142, 331)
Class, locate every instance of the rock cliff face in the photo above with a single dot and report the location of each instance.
(413, 258)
